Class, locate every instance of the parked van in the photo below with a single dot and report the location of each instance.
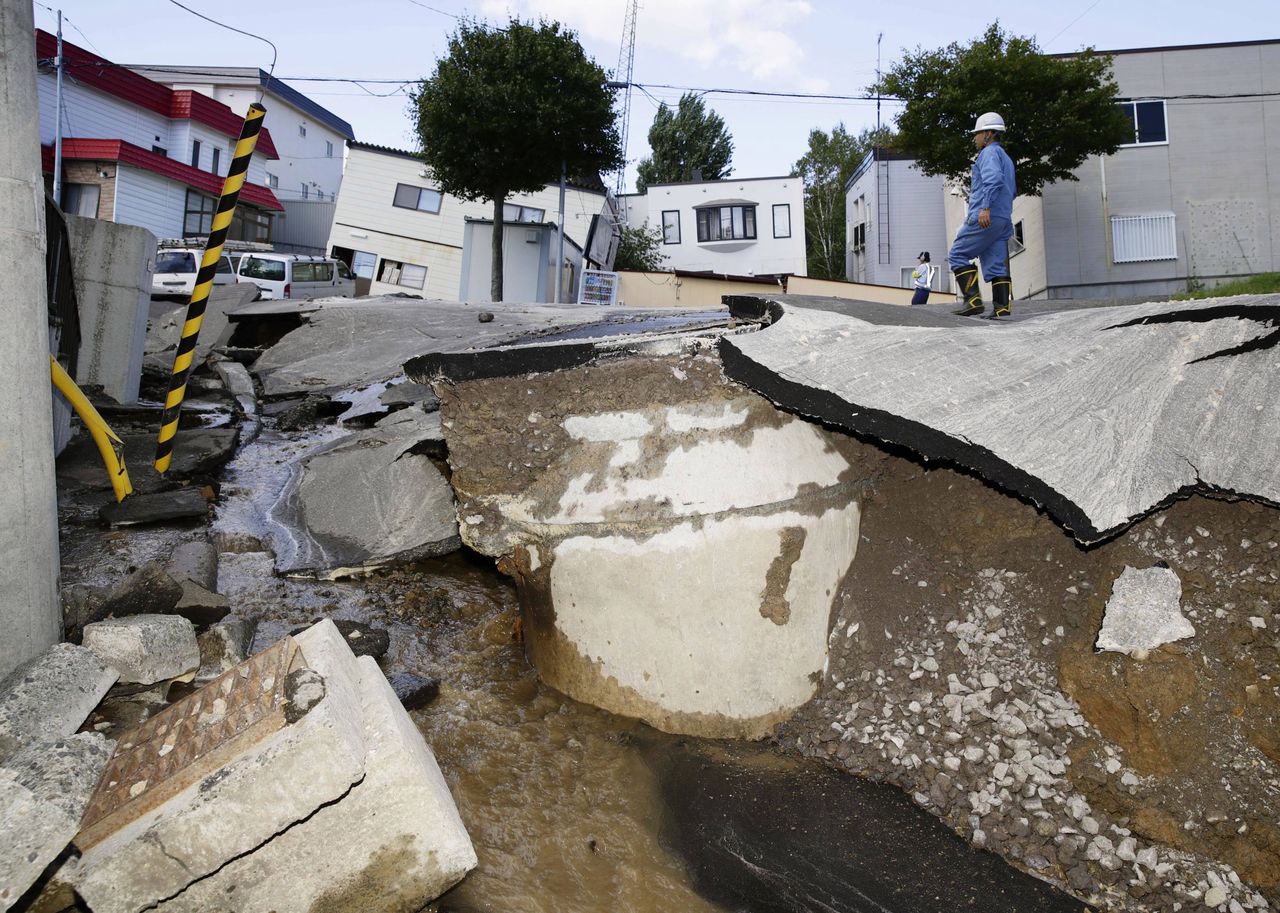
(176, 269)
(296, 275)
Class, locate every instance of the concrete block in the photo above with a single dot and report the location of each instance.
(394, 843)
(1144, 612)
(224, 646)
(195, 561)
(221, 772)
(165, 327)
(201, 607)
(145, 648)
(112, 264)
(43, 792)
(239, 384)
(50, 696)
(157, 507)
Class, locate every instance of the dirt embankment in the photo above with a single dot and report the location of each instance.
(963, 669)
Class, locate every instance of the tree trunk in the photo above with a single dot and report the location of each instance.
(495, 281)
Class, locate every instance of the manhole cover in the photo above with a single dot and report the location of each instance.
(190, 740)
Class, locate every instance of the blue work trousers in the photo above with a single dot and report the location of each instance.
(988, 245)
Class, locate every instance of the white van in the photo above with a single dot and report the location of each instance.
(296, 275)
(176, 269)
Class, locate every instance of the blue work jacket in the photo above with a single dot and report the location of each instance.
(991, 183)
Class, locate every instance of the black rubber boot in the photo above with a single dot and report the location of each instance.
(1001, 298)
(970, 291)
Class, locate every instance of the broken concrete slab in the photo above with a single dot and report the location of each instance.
(1098, 415)
(145, 649)
(410, 393)
(361, 502)
(363, 639)
(164, 329)
(156, 507)
(394, 843)
(413, 691)
(1144, 612)
(345, 346)
(196, 561)
(221, 772)
(44, 790)
(235, 377)
(732, 523)
(150, 590)
(201, 607)
(50, 696)
(198, 453)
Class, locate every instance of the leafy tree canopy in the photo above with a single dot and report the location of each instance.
(506, 108)
(825, 168)
(1058, 111)
(639, 249)
(687, 140)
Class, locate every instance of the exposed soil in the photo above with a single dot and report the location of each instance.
(962, 669)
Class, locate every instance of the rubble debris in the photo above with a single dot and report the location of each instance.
(410, 393)
(164, 329)
(235, 377)
(150, 590)
(1144, 612)
(145, 649)
(323, 796)
(43, 792)
(200, 606)
(310, 411)
(224, 646)
(485, 317)
(196, 561)
(1025, 417)
(198, 453)
(156, 507)
(50, 696)
(717, 509)
(413, 691)
(218, 774)
(361, 502)
(363, 639)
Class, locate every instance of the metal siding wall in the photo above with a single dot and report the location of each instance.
(918, 222)
(150, 201)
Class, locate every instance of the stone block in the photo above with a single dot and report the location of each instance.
(1144, 612)
(50, 696)
(156, 507)
(224, 646)
(394, 843)
(219, 773)
(43, 792)
(145, 648)
(201, 607)
(147, 591)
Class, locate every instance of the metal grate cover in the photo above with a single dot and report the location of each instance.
(185, 743)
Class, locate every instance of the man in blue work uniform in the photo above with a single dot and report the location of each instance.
(989, 225)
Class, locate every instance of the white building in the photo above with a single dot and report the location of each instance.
(893, 211)
(310, 140)
(396, 230)
(140, 153)
(735, 226)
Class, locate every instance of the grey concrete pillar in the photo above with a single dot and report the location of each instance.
(30, 613)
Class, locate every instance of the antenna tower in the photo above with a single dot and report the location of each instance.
(626, 66)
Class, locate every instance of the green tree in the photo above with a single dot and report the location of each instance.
(639, 249)
(1058, 110)
(825, 168)
(687, 140)
(506, 109)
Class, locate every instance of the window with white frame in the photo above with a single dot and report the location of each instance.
(1136, 239)
(328, 149)
(1148, 119)
(195, 153)
(670, 226)
(397, 272)
(217, 160)
(197, 219)
(81, 199)
(272, 180)
(302, 130)
(859, 240)
(512, 212)
(782, 220)
(423, 199)
(306, 190)
(727, 223)
(1017, 243)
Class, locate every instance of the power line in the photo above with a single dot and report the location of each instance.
(275, 53)
(67, 20)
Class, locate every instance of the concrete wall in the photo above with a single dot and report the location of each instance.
(112, 265)
(1219, 174)
(672, 290)
(763, 255)
(30, 613)
(859, 291)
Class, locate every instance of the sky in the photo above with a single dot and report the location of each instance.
(788, 46)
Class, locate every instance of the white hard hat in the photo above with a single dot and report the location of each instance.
(989, 121)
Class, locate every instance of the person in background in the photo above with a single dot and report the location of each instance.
(989, 224)
(922, 278)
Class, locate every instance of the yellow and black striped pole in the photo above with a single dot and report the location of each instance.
(204, 283)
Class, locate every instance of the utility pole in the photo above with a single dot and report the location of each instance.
(30, 611)
(57, 123)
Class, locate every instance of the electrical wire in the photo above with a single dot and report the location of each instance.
(67, 20)
(275, 53)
